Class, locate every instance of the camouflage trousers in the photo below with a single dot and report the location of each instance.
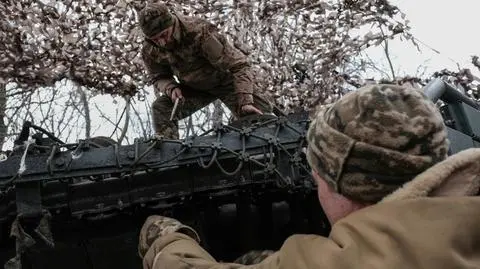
(194, 100)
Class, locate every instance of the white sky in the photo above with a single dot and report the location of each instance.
(446, 26)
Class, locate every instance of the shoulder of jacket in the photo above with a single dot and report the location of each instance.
(193, 22)
(196, 28)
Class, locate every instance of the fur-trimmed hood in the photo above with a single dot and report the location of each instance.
(458, 175)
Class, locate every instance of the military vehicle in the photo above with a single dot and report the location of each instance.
(242, 186)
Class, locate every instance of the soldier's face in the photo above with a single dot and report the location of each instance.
(164, 38)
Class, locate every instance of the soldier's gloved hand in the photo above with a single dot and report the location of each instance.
(250, 109)
(176, 93)
(157, 226)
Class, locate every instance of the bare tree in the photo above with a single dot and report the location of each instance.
(126, 121)
(85, 111)
(3, 105)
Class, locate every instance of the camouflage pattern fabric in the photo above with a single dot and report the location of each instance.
(375, 139)
(253, 257)
(157, 226)
(155, 18)
(202, 59)
(24, 241)
(193, 101)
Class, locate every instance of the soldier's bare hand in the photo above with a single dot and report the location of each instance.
(176, 93)
(249, 109)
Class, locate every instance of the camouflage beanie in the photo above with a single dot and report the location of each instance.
(375, 139)
(155, 18)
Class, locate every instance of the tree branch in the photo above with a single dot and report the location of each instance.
(387, 54)
(86, 111)
(127, 120)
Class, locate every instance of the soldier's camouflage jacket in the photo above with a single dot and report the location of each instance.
(202, 59)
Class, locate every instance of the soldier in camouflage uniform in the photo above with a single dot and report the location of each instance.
(207, 67)
(393, 196)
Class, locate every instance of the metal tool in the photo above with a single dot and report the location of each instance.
(174, 110)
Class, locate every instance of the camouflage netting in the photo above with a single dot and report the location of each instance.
(298, 46)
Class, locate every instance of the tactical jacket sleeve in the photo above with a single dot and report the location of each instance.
(159, 72)
(223, 55)
(179, 251)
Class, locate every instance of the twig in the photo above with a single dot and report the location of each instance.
(86, 110)
(387, 53)
(102, 115)
(118, 122)
(127, 119)
(140, 121)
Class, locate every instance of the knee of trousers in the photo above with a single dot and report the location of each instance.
(161, 108)
(163, 104)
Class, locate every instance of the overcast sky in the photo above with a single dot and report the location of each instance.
(446, 26)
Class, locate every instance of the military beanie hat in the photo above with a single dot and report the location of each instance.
(375, 139)
(154, 18)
